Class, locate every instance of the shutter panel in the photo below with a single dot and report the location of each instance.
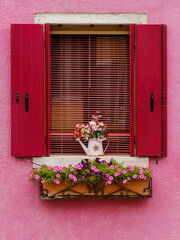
(27, 82)
(150, 63)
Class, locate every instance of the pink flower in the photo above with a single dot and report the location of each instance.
(58, 175)
(72, 169)
(147, 168)
(36, 177)
(112, 167)
(93, 167)
(111, 178)
(134, 176)
(129, 178)
(141, 176)
(109, 181)
(30, 169)
(63, 170)
(57, 182)
(125, 171)
(71, 176)
(75, 166)
(132, 169)
(141, 172)
(144, 177)
(107, 175)
(49, 168)
(116, 166)
(55, 169)
(75, 172)
(140, 169)
(96, 170)
(31, 175)
(75, 179)
(108, 166)
(54, 180)
(38, 170)
(42, 181)
(122, 163)
(118, 169)
(124, 181)
(116, 174)
(27, 179)
(119, 173)
(129, 166)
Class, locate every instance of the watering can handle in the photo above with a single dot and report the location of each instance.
(106, 145)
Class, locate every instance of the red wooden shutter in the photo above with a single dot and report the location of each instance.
(27, 93)
(150, 90)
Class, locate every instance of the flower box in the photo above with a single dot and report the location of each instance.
(132, 189)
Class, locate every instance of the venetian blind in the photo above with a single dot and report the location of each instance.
(90, 74)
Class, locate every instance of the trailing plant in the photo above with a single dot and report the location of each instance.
(88, 171)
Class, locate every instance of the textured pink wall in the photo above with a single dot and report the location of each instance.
(23, 215)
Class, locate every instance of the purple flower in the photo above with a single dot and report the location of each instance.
(99, 173)
(85, 176)
(81, 177)
(87, 164)
(103, 161)
(104, 176)
(90, 170)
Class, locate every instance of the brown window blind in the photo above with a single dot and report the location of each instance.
(90, 73)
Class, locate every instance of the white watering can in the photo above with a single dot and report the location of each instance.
(95, 147)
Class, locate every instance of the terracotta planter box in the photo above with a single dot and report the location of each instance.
(135, 188)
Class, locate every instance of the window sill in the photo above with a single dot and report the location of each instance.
(65, 160)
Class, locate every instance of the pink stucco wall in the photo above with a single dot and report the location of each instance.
(23, 215)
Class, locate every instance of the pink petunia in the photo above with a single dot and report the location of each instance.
(116, 166)
(134, 176)
(27, 179)
(122, 163)
(129, 166)
(49, 168)
(75, 172)
(124, 181)
(116, 174)
(63, 170)
(54, 180)
(144, 177)
(125, 171)
(141, 172)
(111, 178)
(36, 177)
(109, 181)
(58, 175)
(71, 169)
(71, 176)
(129, 178)
(42, 181)
(119, 173)
(57, 182)
(55, 169)
(118, 169)
(141, 176)
(30, 169)
(93, 167)
(31, 175)
(96, 170)
(112, 167)
(132, 169)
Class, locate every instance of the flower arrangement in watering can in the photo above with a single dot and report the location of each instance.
(95, 133)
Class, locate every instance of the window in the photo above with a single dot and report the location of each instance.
(96, 71)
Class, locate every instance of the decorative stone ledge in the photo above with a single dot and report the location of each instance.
(65, 160)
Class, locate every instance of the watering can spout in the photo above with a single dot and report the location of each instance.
(82, 145)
